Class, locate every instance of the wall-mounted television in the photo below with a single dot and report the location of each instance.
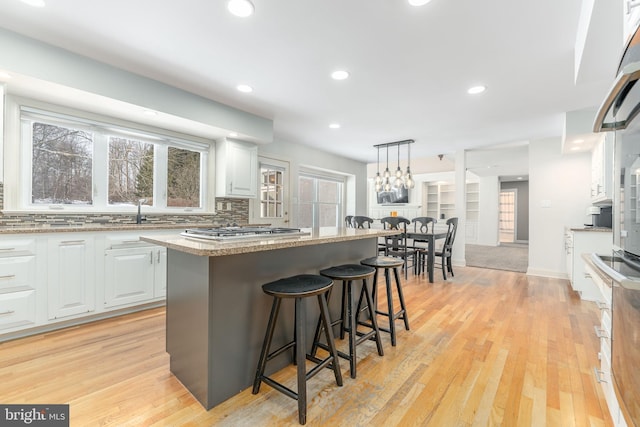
(396, 195)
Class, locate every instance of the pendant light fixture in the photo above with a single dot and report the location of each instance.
(408, 178)
(378, 179)
(383, 183)
(387, 174)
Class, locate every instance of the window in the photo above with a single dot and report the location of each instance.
(62, 160)
(271, 192)
(320, 201)
(81, 164)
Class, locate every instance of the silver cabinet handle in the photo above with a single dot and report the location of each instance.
(602, 305)
(158, 256)
(150, 257)
(8, 277)
(600, 332)
(599, 375)
(6, 313)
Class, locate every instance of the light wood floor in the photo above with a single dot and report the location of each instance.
(485, 348)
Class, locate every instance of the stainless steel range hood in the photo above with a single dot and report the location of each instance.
(622, 103)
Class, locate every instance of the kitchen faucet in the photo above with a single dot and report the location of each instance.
(139, 217)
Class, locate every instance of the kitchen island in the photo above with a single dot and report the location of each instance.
(217, 312)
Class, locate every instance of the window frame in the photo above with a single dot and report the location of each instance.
(318, 176)
(18, 158)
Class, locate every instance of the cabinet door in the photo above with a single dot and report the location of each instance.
(17, 309)
(236, 169)
(71, 276)
(129, 276)
(241, 170)
(160, 279)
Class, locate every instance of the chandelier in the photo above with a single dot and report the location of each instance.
(402, 180)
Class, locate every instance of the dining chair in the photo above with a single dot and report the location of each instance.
(421, 225)
(445, 252)
(348, 221)
(362, 221)
(397, 245)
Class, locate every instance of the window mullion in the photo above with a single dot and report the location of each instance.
(100, 170)
(160, 179)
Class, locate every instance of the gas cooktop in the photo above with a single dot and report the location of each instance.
(243, 233)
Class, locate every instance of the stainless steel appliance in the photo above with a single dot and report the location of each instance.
(243, 233)
(618, 113)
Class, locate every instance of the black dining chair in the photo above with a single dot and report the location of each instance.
(362, 221)
(421, 225)
(397, 245)
(447, 248)
(348, 221)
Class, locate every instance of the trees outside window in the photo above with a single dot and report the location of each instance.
(62, 171)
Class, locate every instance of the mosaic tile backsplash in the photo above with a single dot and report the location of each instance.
(238, 214)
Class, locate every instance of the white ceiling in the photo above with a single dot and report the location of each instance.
(410, 66)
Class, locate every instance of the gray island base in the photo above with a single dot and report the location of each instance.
(217, 312)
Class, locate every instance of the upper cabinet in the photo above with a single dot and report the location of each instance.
(631, 18)
(602, 171)
(236, 169)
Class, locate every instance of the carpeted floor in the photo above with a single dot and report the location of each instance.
(511, 257)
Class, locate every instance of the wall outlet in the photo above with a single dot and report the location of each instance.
(219, 206)
(228, 206)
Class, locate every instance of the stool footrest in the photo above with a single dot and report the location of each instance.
(281, 388)
(280, 350)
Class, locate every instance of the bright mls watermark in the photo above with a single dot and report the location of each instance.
(34, 415)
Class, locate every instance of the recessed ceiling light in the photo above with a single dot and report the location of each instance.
(334, 125)
(244, 88)
(34, 3)
(418, 2)
(241, 8)
(4, 75)
(578, 141)
(520, 178)
(233, 135)
(340, 75)
(575, 148)
(476, 89)
(150, 113)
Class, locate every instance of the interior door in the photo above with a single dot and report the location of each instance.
(272, 204)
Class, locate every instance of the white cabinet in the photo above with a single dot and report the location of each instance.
(71, 275)
(578, 242)
(134, 271)
(631, 19)
(602, 171)
(18, 283)
(236, 169)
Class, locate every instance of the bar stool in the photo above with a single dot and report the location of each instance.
(348, 320)
(298, 287)
(388, 263)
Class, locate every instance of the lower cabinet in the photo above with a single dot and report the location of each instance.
(17, 309)
(70, 275)
(134, 275)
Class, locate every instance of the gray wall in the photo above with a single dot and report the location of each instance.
(522, 208)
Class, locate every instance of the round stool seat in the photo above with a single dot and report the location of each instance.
(348, 272)
(302, 285)
(383, 262)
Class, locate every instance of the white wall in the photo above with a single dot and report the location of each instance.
(559, 193)
(488, 217)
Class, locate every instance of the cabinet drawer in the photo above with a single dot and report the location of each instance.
(17, 273)
(17, 247)
(17, 309)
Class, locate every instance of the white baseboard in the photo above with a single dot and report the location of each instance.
(547, 273)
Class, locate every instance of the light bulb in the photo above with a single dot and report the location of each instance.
(398, 172)
(378, 180)
(387, 174)
(398, 183)
(378, 186)
(387, 185)
(408, 181)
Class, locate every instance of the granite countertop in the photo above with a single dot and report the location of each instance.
(68, 228)
(594, 229)
(204, 247)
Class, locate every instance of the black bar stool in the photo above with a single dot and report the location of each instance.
(388, 263)
(348, 320)
(298, 287)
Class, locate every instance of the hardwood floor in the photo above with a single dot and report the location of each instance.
(487, 347)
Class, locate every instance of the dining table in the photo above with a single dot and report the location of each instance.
(429, 238)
